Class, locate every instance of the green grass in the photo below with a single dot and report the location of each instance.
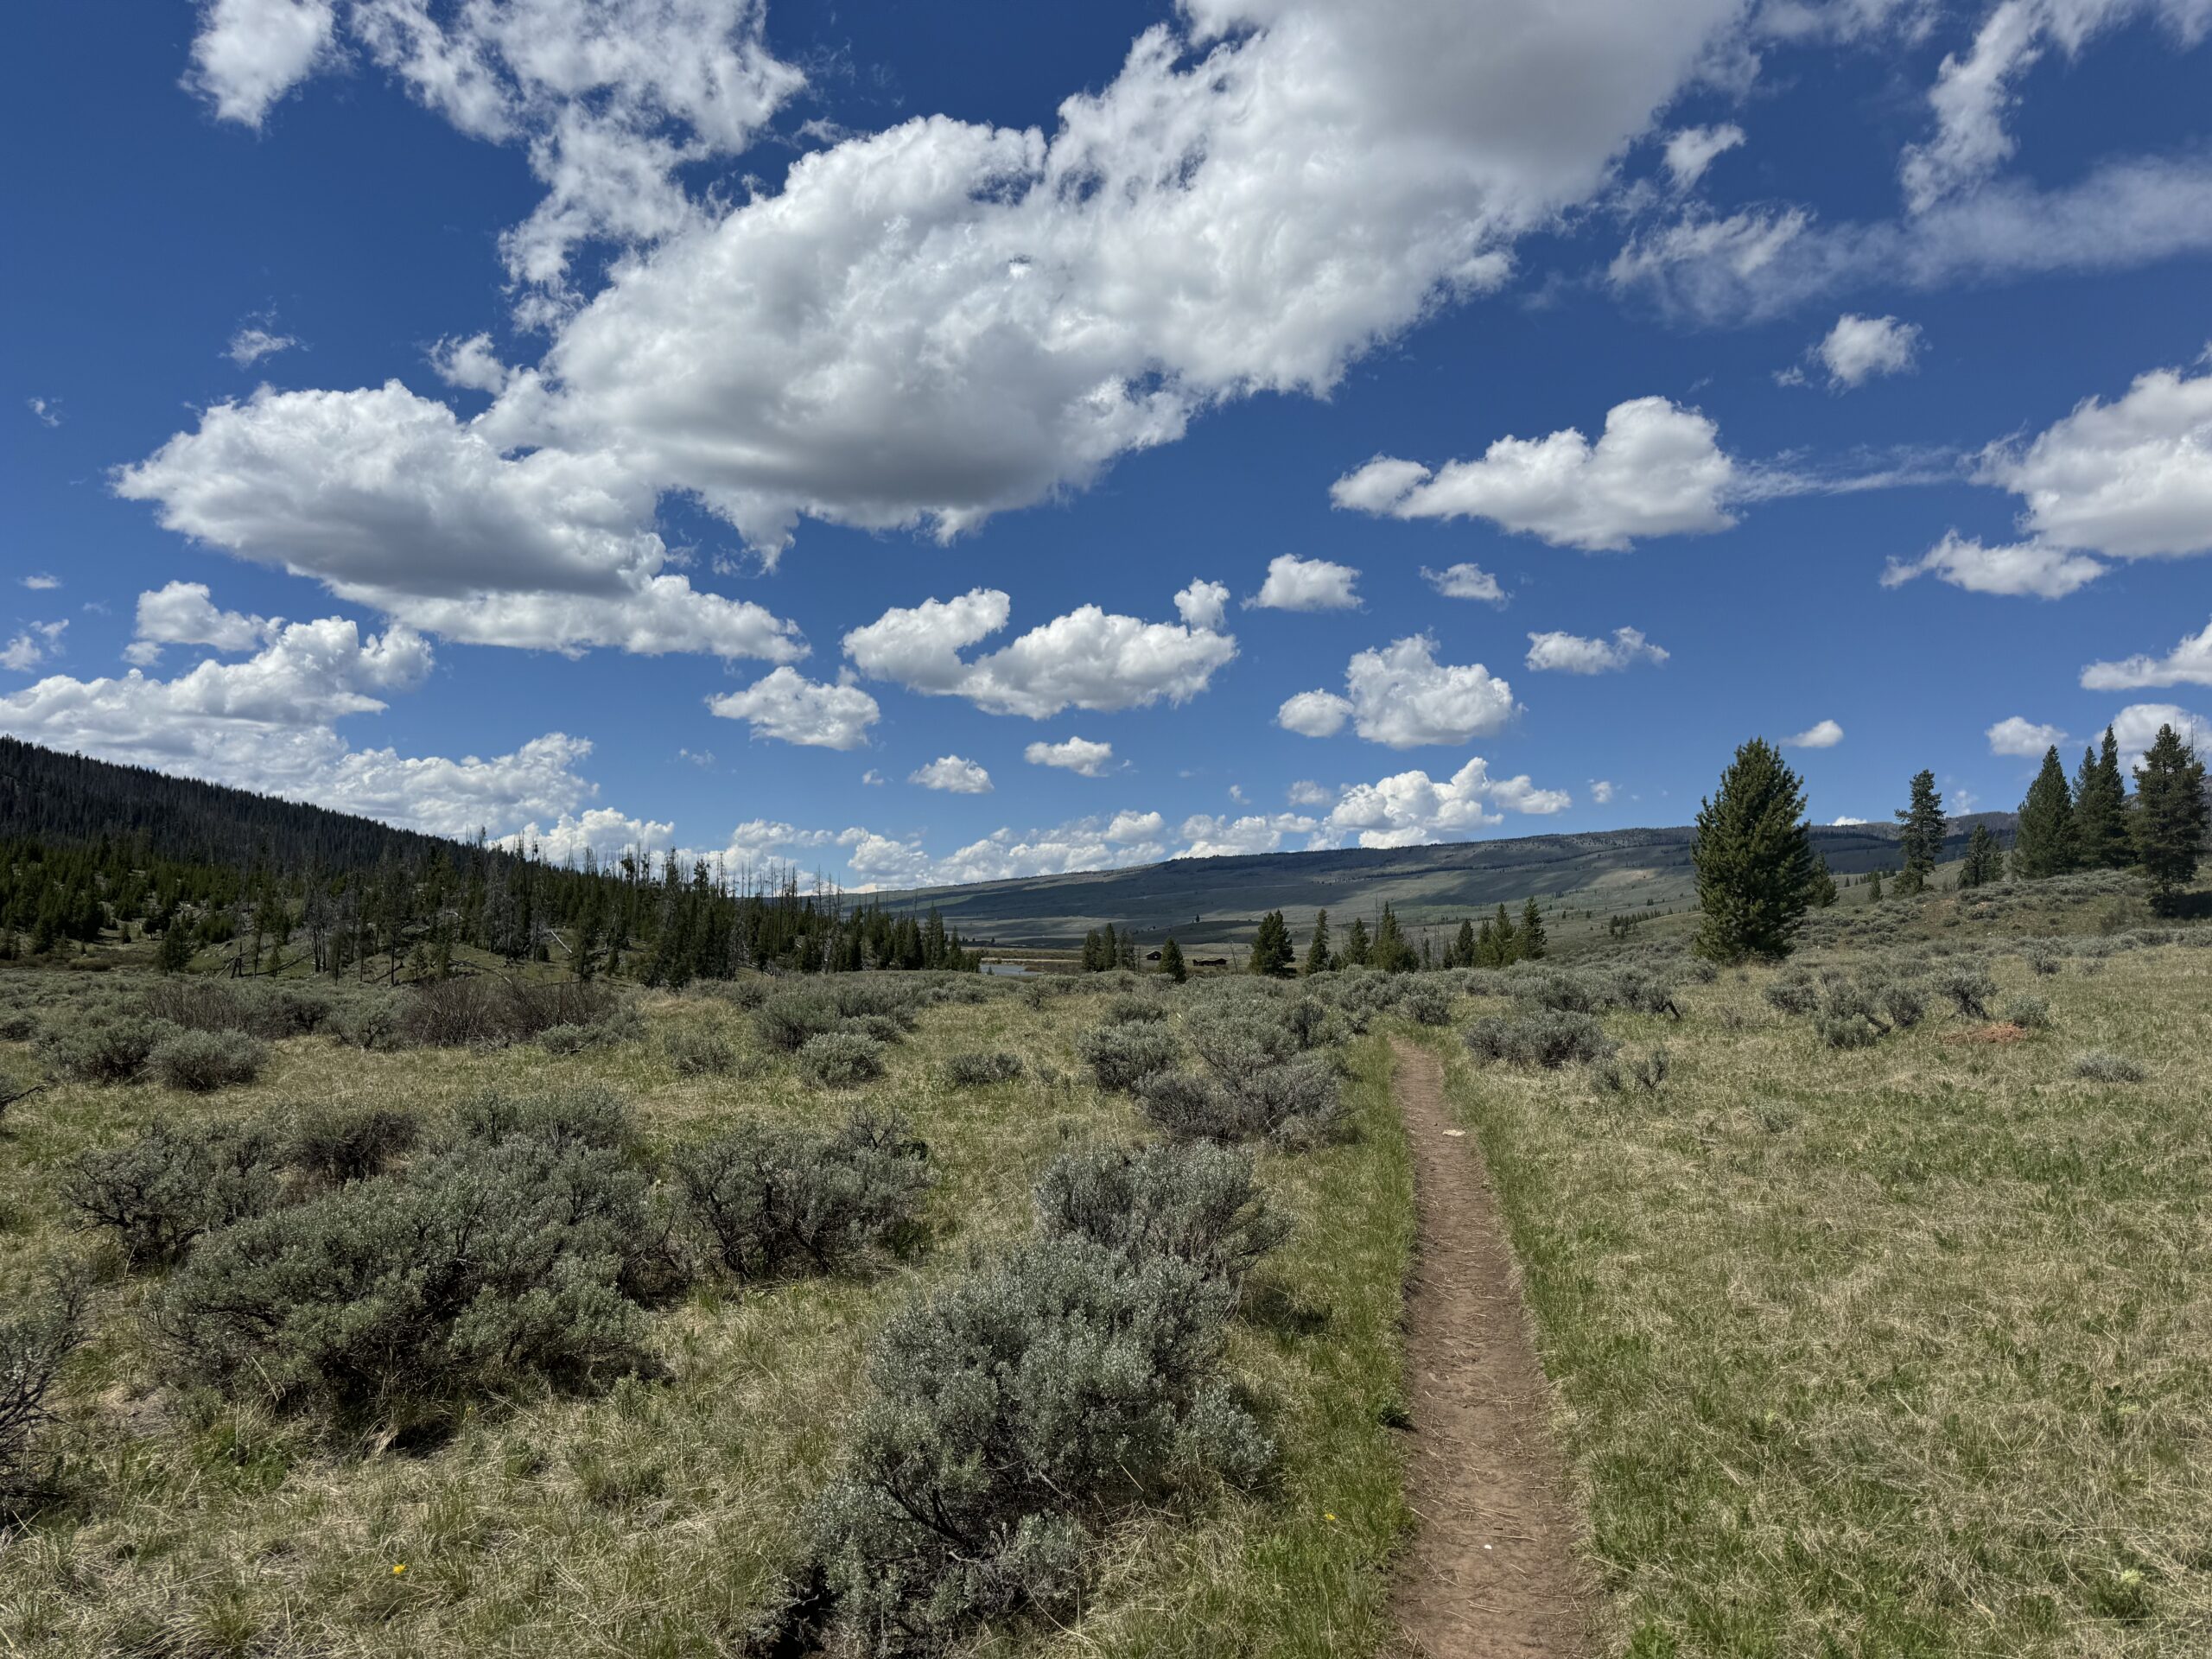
(653, 1519)
(1901, 1351)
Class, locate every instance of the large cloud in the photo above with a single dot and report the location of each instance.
(1402, 698)
(791, 709)
(1656, 470)
(1411, 808)
(393, 502)
(931, 324)
(1088, 659)
(2189, 662)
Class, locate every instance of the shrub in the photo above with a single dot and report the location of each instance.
(1969, 986)
(879, 1027)
(333, 1144)
(766, 1199)
(1543, 1037)
(494, 1264)
(483, 1011)
(1133, 1010)
(2042, 959)
(839, 1060)
(169, 1186)
(790, 1017)
(367, 1019)
(591, 1116)
(202, 1061)
(1425, 1002)
(1240, 1038)
(885, 996)
(1122, 1057)
(1849, 1030)
(697, 1053)
(2028, 1012)
(1797, 996)
(1645, 1075)
(2097, 1066)
(35, 1338)
(1199, 1205)
(981, 1071)
(103, 1047)
(1014, 1416)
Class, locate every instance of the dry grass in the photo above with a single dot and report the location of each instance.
(1899, 1351)
(651, 1520)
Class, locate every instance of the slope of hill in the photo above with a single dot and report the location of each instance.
(1582, 880)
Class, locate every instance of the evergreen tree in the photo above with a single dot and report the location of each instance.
(1874, 887)
(1171, 961)
(2170, 816)
(2045, 845)
(1983, 863)
(1317, 948)
(1356, 948)
(1125, 951)
(1391, 953)
(1920, 833)
(1754, 858)
(1821, 893)
(175, 953)
(1463, 948)
(2101, 837)
(1533, 942)
(1271, 951)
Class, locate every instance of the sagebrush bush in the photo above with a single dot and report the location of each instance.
(335, 1144)
(591, 1116)
(1298, 1103)
(1543, 1037)
(2097, 1066)
(1426, 1002)
(839, 1059)
(494, 1264)
(2028, 1012)
(35, 1337)
(1797, 996)
(1121, 1056)
(697, 1053)
(367, 1019)
(877, 1027)
(1969, 986)
(885, 996)
(981, 1071)
(103, 1046)
(173, 1184)
(1199, 1204)
(767, 1199)
(1013, 1416)
(1134, 1009)
(486, 1011)
(202, 1061)
(791, 1015)
(1647, 1074)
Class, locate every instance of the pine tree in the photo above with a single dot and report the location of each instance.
(1533, 943)
(1754, 858)
(1983, 864)
(1171, 961)
(1317, 948)
(1391, 953)
(2045, 845)
(1462, 948)
(1271, 952)
(2170, 816)
(1821, 893)
(175, 953)
(2101, 837)
(1874, 887)
(1356, 947)
(1920, 833)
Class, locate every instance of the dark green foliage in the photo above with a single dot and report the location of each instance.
(792, 1014)
(35, 1337)
(2044, 845)
(172, 1185)
(981, 1071)
(1355, 946)
(2100, 831)
(841, 1059)
(1984, 864)
(495, 1264)
(1271, 950)
(1317, 948)
(200, 1062)
(1534, 943)
(1821, 894)
(766, 1200)
(1172, 964)
(1198, 1204)
(1015, 1415)
(2170, 816)
(1874, 887)
(1542, 1037)
(1390, 953)
(1920, 831)
(1121, 1056)
(333, 1144)
(1754, 859)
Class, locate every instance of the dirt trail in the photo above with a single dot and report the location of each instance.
(1491, 1572)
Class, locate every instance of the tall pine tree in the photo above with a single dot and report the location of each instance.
(2045, 844)
(2170, 816)
(1271, 951)
(1317, 948)
(1171, 961)
(2101, 837)
(1754, 858)
(1984, 864)
(1532, 941)
(1920, 833)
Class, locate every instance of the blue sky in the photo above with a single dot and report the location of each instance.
(948, 441)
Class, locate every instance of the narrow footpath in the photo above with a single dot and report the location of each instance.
(1491, 1573)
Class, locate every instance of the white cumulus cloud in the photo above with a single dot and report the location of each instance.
(787, 706)
(1402, 698)
(1296, 584)
(1466, 581)
(2189, 662)
(1858, 349)
(1690, 151)
(1571, 654)
(1824, 735)
(2018, 736)
(953, 774)
(1076, 754)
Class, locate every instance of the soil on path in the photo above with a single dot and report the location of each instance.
(1492, 1571)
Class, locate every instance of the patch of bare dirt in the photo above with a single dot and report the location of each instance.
(1997, 1034)
(1492, 1569)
